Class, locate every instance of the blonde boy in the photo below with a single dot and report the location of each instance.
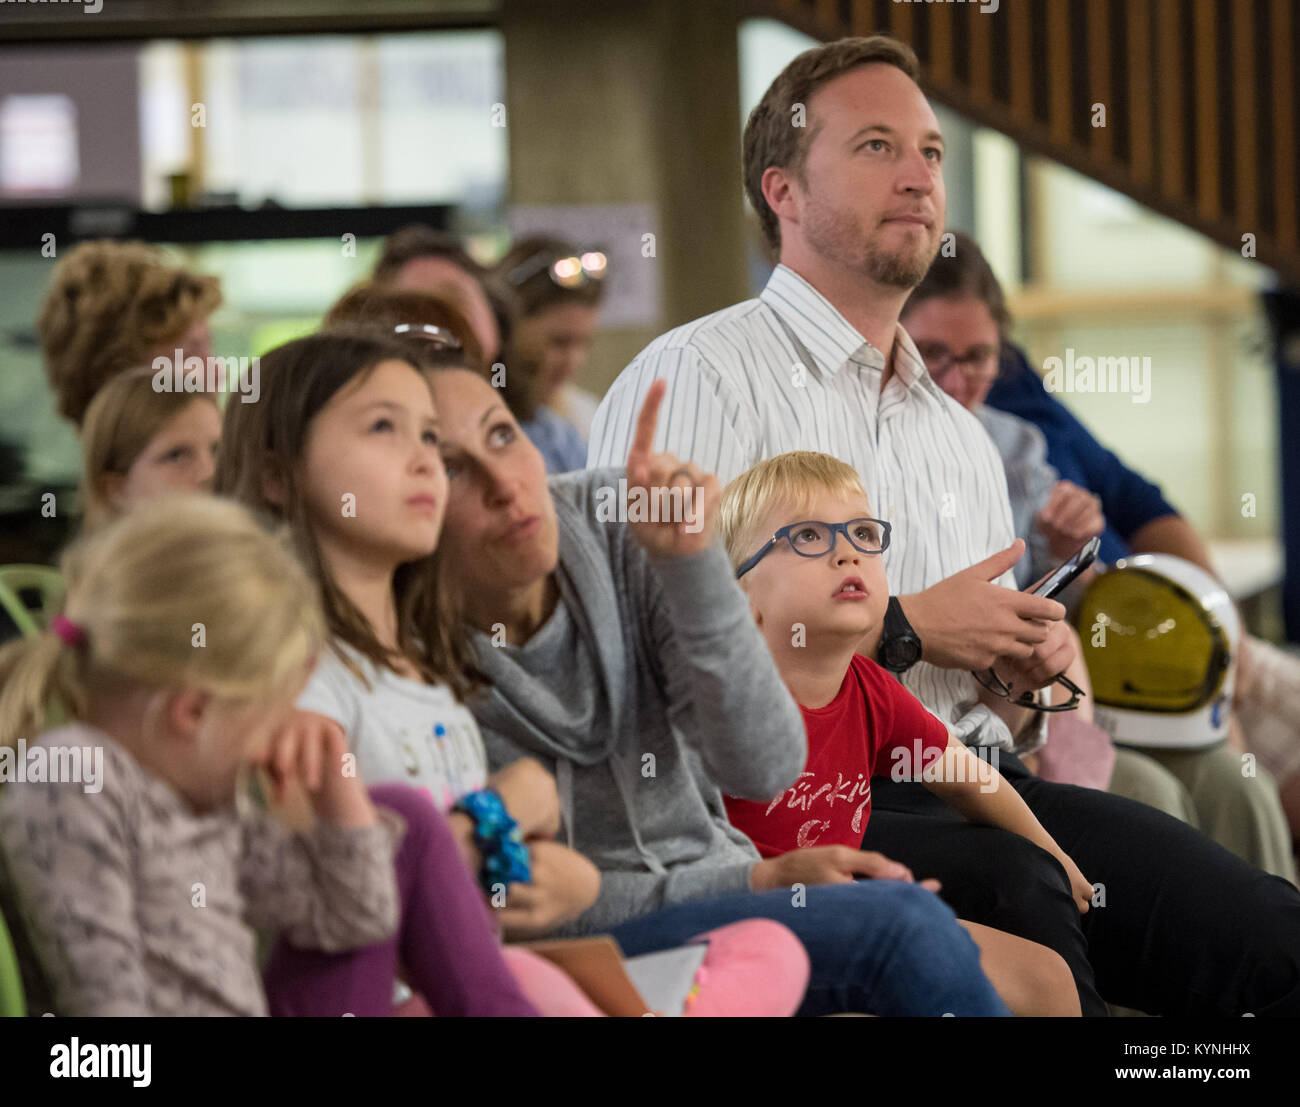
(799, 530)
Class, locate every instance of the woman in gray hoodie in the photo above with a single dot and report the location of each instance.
(618, 650)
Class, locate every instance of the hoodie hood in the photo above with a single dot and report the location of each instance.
(563, 713)
(574, 708)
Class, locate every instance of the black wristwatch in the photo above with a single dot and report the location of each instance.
(899, 648)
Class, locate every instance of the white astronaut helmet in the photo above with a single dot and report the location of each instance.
(1160, 639)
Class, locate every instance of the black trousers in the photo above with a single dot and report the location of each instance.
(1187, 927)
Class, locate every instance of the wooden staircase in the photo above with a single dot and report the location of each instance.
(1199, 96)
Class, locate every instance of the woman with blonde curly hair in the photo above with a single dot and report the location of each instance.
(114, 305)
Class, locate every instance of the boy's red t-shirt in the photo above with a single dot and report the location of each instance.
(849, 740)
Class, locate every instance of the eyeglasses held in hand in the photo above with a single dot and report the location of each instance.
(999, 687)
(438, 336)
(572, 271)
(815, 538)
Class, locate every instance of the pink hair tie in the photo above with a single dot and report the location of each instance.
(67, 630)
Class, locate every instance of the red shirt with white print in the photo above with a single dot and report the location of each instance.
(873, 725)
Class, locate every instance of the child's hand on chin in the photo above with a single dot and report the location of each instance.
(829, 865)
(311, 773)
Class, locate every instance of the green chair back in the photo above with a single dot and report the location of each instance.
(45, 581)
(12, 1004)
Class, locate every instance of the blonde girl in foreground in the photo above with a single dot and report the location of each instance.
(186, 635)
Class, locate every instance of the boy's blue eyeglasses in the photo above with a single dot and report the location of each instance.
(815, 539)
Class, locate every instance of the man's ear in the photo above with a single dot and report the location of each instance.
(183, 713)
(780, 191)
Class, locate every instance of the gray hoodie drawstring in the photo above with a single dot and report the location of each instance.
(652, 862)
(564, 785)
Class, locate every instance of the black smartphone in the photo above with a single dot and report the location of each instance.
(1063, 575)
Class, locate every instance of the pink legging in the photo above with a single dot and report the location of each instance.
(754, 967)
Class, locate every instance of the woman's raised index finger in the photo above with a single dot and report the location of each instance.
(643, 441)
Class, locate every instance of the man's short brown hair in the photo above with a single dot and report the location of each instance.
(772, 139)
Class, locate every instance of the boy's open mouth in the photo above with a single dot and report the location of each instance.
(851, 588)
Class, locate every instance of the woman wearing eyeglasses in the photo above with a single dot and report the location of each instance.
(957, 317)
(557, 290)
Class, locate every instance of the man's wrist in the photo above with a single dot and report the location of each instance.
(913, 607)
(870, 645)
(900, 645)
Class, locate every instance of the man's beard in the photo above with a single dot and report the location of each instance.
(900, 270)
(836, 236)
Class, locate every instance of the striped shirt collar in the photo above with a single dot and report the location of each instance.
(831, 338)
